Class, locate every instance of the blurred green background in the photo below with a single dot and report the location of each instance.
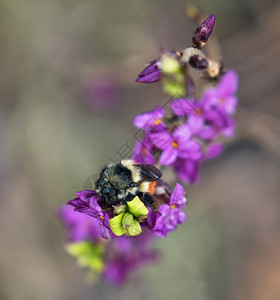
(56, 60)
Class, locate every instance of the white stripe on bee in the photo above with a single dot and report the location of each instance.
(144, 187)
(128, 163)
(133, 190)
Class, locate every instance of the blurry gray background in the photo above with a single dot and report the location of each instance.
(68, 96)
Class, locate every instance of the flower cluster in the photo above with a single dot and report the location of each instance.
(108, 241)
(187, 134)
(171, 213)
(114, 259)
(112, 236)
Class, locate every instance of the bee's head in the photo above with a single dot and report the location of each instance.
(113, 181)
(105, 188)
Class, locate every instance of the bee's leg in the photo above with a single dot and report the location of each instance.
(149, 201)
(127, 198)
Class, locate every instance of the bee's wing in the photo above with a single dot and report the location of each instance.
(149, 172)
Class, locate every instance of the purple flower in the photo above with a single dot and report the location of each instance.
(151, 120)
(172, 213)
(179, 144)
(228, 131)
(213, 150)
(222, 95)
(126, 255)
(151, 73)
(79, 226)
(182, 107)
(142, 152)
(203, 32)
(87, 203)
(220, 121)
(197, 113)
(196, 121)
(209, 120)
(151, 220)
(187, 170)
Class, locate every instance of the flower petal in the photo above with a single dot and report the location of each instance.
(84, 195)
(78, 203)
(187, 170)
(208, 133)
(164, 210)
(101, 229)
(150, 67)
(195, 124)
(191, 150)
(182, 107)
(142, 154)
(161, 139)
(151, 77)
(142, 120)
(180, 215)
(230, 104)
(228, 84)
(182, 134)
(147, 119)
(213, 150)
(178, 196)
(107, 225)
(95, 206)
(168, 156)
(229, 130)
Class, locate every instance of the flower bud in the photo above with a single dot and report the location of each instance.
(151, 73)
(198, 62)
(127, 220)
(131, 225)
(170, 64)
(116, 225)
(134, 229)
(203, 32)
(137, 208)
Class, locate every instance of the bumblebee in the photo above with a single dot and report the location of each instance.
(120, 182)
